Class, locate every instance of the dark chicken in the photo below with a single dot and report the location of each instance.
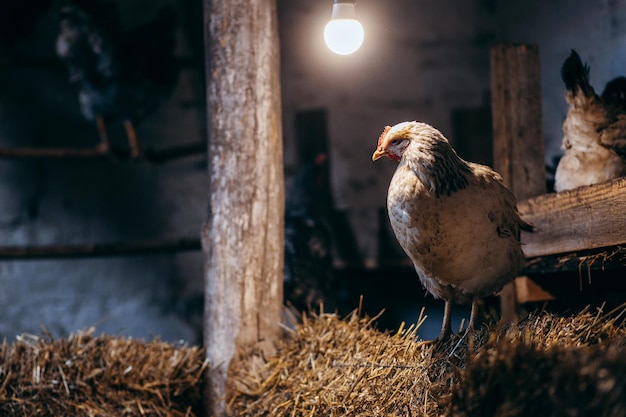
(614, 94)
(594, 130)
(455, 219)
(308, 258)
(120, 76)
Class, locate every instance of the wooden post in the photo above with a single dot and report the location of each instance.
(242, 238)
(518, 145)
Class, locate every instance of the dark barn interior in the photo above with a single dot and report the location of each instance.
(105, 234)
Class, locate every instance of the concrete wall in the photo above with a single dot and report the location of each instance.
(423, 60)
(102, 201)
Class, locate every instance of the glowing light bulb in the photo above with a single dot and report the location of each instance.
(343, 34)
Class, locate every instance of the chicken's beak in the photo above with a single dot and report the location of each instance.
(378, 153)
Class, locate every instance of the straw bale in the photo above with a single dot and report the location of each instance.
(548, 366)
(85, 375)
(544, 365)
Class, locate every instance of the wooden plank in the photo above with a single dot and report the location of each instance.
(573, 220)
(92, 250)
(604, 259)
(517, 119)
(527, 291)
(150, 155)
(517, 130)
(16, 153)
(242, 238)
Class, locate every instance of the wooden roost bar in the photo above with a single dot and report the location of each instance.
(582, 220)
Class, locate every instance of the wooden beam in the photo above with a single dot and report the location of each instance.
(602, 259)
(242, 238)
(155, 156)
(527, 291)
(574, 220)
(91, 250)
(517, 130)
(518, 147)
(54, 153)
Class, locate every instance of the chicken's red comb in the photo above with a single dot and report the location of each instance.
(382, 135)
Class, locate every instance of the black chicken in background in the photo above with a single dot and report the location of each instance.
(120, 75)
(614, 94)
(308, 277)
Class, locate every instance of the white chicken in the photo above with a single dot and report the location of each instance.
(455, 219)
(594, 130)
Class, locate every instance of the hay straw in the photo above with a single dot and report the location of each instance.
(333, 367)
(545, 365)
(548, 366)
(345, 367)
(85, 375)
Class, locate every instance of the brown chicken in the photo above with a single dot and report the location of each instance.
(455, 219)
(594, 130)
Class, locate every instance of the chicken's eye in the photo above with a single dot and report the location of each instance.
(394, 141)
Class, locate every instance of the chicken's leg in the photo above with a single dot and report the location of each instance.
(473, 314)
(471, 326)
(446, 326)
(135, 149)
(104, 144)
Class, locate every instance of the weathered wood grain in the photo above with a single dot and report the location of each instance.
(517, 130)
(580, 219)
(518, 147)
(91, 250)
(242, 238)
(602, 259)
(156, 156)
(527, 291)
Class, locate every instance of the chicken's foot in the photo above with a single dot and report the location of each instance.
(473, 314)
(446, 327)
(104, 145)
(135, 148)
(471, 326)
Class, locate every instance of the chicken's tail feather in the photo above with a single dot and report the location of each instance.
(575, 75)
